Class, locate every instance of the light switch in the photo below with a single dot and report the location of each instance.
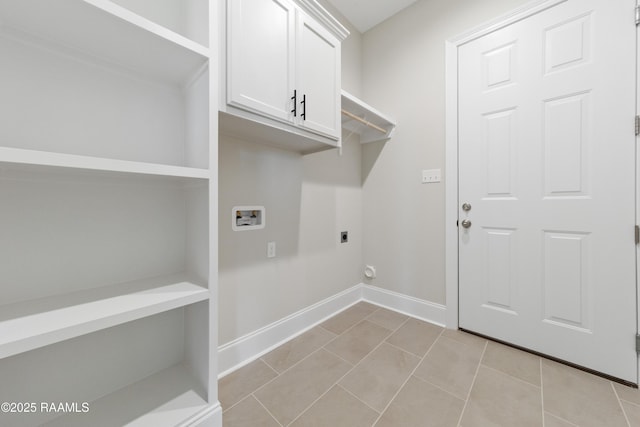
(431, 175)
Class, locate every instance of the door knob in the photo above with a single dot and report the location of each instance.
(466, 207)
(466, 223)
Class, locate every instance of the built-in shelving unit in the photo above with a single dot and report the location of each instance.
(366, 121)
(108, 192)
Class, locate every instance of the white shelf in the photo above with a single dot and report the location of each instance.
(106, 31)
(32, 324)
(46, 160)
(169, 398)
(368, 122)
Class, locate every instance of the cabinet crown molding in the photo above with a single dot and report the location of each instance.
(314, 9)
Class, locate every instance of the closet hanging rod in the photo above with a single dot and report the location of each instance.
(363, 121)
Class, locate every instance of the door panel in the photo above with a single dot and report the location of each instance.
(565, 287)
(318, 77)
(566, 164)
(500, 275)
(547, 163)
(261, 43)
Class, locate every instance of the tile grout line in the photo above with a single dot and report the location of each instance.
(383, 340)
(237, 403)
(542, 359)
(339, 357)
(267, 363)
(364, 319)
(320, 326)
(623, 400)
(406, 351)
(346, 373)
(250, 393)
(563, 420)
(436, 386)
(520, 380)
(360, 400)
(392, 330)
(305, 410)
(307, 356)
(336, 337)
(475, 376)
(278, 374)
(615, 392)
(350, 327)
(286, 370)
(542, 397)
(353, 366)
(408, 378)
(571, 423)
(267, 409)
(322, 347)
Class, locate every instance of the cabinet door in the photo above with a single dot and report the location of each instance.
(260, 62)
(318, 77)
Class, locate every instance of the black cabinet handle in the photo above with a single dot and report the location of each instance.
(295, 103)
(304, 107)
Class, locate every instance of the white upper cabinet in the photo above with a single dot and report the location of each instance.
(282, 74)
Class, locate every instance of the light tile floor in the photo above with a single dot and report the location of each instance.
(371, 366)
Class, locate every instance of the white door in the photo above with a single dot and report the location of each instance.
(547, 165)
(260, 63)
(318, 78)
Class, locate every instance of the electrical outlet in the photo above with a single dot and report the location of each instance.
(431, 175)
(344, 237)
(271, 249)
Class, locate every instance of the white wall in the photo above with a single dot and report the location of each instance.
(394, 222)
(309, 200)
(404, 76)
(186, 17)
(351, 53)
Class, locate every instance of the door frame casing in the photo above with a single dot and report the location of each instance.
(637, 213)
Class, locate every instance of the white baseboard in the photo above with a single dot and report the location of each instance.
(414, 307)
(241, 351)
(210, 417)
(246, 349)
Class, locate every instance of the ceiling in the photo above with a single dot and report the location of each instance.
(366, 14)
